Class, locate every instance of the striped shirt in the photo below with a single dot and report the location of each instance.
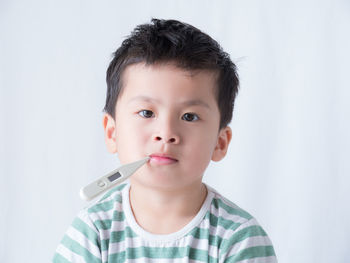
(107, 231)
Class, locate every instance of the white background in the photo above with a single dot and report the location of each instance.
(288, 164)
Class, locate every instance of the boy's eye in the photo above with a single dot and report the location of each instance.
(190, 117)
(146, 113)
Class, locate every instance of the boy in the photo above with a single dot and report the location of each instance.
(170, 96)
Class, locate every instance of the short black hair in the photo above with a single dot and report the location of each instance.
(163, 41)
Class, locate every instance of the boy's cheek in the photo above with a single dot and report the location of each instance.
(132, 148)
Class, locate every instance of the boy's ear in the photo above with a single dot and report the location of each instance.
(224, 138)
(109, 130)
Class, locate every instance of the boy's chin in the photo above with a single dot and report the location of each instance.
(165, 179)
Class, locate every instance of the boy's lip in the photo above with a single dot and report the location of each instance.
(162, 158)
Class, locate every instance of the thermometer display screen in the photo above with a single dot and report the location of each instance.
(114, 177)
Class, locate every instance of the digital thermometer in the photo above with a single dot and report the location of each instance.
(111, 179)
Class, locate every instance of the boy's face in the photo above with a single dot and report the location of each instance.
(168, 114)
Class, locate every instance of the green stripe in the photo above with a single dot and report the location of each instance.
(104, 244)
(106, 224)
(75, 247)
(117, 236)
(252, 252)
(250, 231)
(103, 224)
(203, 233)
(85, 229)
(104, 206)
(59, 259)
(118, 216)
(241, 235)
(113, 190)
(200, 255)
(232, 209)
(162, 252)
(220, 221)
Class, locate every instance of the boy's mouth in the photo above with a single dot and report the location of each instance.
(162, 159)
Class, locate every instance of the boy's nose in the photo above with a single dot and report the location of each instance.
(167, 131)
(172, 139)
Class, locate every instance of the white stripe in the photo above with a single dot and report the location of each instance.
(251, 222)
(271, 259)
(77, 236)
(109, 198)
(250, 242)
(221, 212)
(69, 255)
(220, 231)
(203, 244)
(105, 254)
(102, 215)
(116, 226)
(162, 260)
(137, 242)
(217, 231)
(105, 215)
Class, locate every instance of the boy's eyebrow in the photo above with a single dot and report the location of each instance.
(195, 102)
(143, 98)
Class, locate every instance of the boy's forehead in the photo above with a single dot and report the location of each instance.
(169, 67)
(142, 76)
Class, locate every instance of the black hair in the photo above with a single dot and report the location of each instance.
(163, 41)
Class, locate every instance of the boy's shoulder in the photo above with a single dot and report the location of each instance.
(108, 204)
(226, 215)
(226, 208)
(238, 230)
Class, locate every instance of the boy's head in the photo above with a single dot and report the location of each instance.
(185, 46)
(170, 96)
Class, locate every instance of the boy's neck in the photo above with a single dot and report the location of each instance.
(165, 212)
